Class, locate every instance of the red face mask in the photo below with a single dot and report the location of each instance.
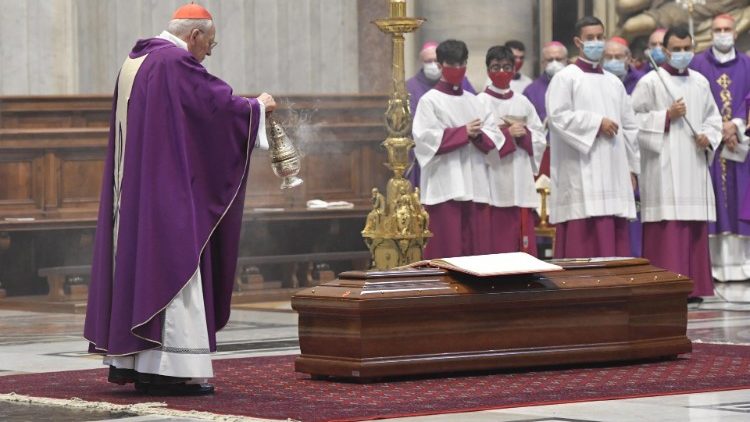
(501, 79)
(519, 64)
(454, 75)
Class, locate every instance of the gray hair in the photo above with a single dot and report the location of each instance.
(182, 27)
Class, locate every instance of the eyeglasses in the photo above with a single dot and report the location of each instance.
(501, 68)
(213, 44)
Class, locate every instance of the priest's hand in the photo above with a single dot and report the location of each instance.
(634, 181)
(731, 142)
(702, 141)
(268, 102)
(677, 109)
(729, 135)
(517, 130)
(473, 128)
(608, 128)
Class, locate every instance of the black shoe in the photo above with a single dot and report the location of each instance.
(180, 389)
(156, 379)
(121, 376)
(695, 299)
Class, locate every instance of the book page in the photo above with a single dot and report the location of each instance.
(497, 264)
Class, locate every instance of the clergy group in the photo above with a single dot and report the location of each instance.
(665, 131)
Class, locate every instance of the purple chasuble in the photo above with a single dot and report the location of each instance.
(186, 156)
(731, 180)
(536, 92)
(417, 86)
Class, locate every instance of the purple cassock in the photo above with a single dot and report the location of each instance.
(634, 227)
(182, 197)
(730, 179)
(536, 92)
(417, 86)
(631, 79)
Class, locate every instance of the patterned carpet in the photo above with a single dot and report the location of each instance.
(268, 387)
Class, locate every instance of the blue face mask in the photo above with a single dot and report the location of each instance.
(593, 50)
(618, 67)
(681, 59)
(658, 54)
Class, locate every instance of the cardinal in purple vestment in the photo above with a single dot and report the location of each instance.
(171, 207)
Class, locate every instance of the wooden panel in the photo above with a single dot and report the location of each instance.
(17, 177)
(80, 180)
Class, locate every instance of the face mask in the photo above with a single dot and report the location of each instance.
(518, 64)
(454, 75)
(657, 53)
(681, 59)
(615, 66)
(724, 41)
(432, 71)
(553, 67)
(501, 79)
(593, 50)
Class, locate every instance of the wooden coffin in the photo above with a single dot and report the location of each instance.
(368, 325)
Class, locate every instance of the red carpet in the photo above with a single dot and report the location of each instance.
(269, 388)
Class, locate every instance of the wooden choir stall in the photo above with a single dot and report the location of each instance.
(51, 162)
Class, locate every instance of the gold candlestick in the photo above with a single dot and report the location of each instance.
(396, 230)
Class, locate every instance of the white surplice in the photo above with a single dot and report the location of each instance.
(461, 174)
(675, 180)
(512, 177)
(590, 173)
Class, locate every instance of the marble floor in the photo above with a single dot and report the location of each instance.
(44, 342)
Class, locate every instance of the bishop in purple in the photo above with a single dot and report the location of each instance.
(170, 212)
(728, 73)
(554, 58)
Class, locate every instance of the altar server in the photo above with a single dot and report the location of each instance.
(594, 153)
(677, 198)
(452, 133)
(512, 168)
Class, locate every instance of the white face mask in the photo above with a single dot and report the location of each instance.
(553, 67)
(723, 41)
(432, 71)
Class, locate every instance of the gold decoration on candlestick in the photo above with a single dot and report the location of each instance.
(396, 230)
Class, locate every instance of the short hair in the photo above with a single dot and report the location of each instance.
(499, 52)
(182, 27)
(515, 44)
(587, 21)
(452, 51)
(680, 32)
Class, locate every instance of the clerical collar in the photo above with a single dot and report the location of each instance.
(447, 88)
(673, 70)
(503, 94)
(723, 57)
(588, 67)
(166, 35)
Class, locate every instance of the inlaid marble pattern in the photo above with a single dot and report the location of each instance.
(35, 342)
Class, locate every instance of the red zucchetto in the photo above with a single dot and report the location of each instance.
(192, 11)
